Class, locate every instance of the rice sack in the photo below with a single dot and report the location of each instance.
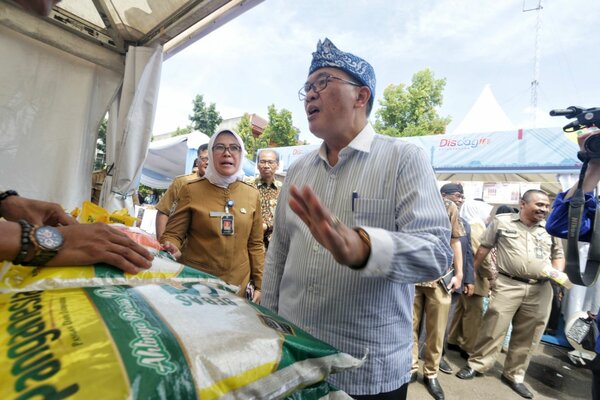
(164, 270)
(154, 342)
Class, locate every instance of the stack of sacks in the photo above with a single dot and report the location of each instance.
(95, 332)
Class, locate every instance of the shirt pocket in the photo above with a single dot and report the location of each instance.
(378, 213)
(508, 233)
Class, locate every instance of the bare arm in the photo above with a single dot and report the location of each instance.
(10, 240)
(559, 264)
(161, 224)
(481, 254)
(456, 281)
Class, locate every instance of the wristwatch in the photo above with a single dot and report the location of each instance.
(47, 241)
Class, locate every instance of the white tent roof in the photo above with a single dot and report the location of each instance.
(485, 115)
(113, 25)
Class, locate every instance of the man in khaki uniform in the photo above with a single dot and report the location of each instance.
(433, 300)
(521, 295)
(469, 310)
(168, 203)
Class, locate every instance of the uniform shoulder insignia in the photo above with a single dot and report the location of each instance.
(183, 176)
(195, 179)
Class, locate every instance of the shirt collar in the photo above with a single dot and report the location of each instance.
(274, 185)
(362, 142)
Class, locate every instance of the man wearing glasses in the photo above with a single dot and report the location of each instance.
(168, 203)
(359, 222)
(268, 188)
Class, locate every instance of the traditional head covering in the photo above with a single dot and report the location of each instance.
(475, 211)
(327, 55)
(211, 173)
(450, 188)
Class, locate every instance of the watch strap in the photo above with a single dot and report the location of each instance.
(26, 229)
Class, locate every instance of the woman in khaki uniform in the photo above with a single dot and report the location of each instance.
(217, 226)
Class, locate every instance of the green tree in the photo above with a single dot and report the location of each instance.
(251, 143)
(205, 118)
(182, 131)
(280, 129)
(411, 110)
(100, 156)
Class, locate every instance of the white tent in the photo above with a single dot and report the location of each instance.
(65, 71)
(170, 157)
(175, 156)
(485, 115)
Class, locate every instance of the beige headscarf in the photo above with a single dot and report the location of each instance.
(211, 173)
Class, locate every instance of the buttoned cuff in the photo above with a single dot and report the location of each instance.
(382, 252)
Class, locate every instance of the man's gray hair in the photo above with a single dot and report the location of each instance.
(268, 151)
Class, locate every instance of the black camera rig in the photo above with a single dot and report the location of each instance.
(584, 118)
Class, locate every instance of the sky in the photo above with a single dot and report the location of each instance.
(262, 57)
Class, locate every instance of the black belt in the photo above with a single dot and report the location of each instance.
(524, 280)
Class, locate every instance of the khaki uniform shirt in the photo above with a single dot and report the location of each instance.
(482, 284)
(168, 202)
(522, 251)
(236, 258)
(457, 230)
(268, 202)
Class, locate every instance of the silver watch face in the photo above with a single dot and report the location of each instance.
(49, 238)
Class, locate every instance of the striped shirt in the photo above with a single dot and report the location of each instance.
(369, 311)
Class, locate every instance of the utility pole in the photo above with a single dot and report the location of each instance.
(536, 60)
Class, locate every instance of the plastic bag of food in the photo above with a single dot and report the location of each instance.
(92, 213)
(154, 342)
(164, 270)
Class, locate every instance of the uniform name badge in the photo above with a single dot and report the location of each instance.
(539, 253)
(227, 225)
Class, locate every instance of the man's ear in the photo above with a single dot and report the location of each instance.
(363, 96)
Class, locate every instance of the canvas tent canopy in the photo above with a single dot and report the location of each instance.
(65, 71)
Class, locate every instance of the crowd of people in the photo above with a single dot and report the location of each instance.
(357, 256)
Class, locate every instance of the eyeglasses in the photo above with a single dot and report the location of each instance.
(232, 148)
(320, 84)
(204, 159)
(267, 162)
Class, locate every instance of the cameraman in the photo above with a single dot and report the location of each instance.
(557, 225)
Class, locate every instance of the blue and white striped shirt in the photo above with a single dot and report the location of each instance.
(399, 206)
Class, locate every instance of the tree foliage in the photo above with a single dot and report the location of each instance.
(100, 156)
(280, 129)
(182, 131)
(205, 118)
(411, 110)
(251, 143)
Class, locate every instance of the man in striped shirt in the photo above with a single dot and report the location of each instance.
(358, 223)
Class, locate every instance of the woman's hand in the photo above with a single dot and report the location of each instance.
(256, 296)
(171, 249)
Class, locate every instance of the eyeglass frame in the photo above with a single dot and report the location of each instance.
(269, 162)
(227, 148)
(326, 78)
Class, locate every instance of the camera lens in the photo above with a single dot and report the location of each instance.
(592, 144)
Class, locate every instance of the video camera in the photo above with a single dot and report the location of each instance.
(585, 118)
